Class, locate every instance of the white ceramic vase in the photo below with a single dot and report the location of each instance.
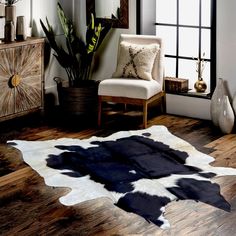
(226, 117)
(216, 101)
(234, 103)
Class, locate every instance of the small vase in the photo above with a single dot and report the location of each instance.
(9, 32)
(226, 117)
(234, 103)
(20, 28)
(200, 86)
(10, 14)
(216, 101)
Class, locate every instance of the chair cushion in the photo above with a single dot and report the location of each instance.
(130, 88)
(136, 60)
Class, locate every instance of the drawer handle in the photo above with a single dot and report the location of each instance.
(14, 81)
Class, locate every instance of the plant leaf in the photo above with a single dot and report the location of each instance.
(65, 24)
(50, 35)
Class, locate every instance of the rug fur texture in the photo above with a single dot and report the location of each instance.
(140, 171)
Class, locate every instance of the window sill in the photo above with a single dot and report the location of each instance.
(192, 93)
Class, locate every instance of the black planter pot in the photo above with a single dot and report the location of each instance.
(81, 100)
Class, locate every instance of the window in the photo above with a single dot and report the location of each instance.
(188, 28)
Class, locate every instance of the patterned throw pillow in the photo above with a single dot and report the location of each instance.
(136, 61)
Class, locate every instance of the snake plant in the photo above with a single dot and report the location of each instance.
(77, 58)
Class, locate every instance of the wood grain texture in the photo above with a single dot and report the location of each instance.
(29, 207)
(24, 62)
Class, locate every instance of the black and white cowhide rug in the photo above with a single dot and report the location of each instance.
(141, 171)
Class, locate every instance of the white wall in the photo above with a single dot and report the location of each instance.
(34, 10)
(148, 17)
(226, 43)
(188, 106)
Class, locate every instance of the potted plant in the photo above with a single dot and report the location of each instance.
(80, 93)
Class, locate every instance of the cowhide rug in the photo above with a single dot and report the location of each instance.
(141, 171)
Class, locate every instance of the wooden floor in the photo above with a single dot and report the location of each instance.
(29, 207)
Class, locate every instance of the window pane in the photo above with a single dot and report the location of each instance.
(189, 12)
(206, 43)
(188, 42)
(170, 67)
(187, 70)
(168, 34)
(165, 13)
(206, 13)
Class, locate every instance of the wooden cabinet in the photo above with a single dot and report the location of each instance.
(21, 77)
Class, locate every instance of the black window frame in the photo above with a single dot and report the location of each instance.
(212, 28)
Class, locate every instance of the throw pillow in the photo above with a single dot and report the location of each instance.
(136, 61)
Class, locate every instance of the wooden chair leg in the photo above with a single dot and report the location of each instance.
(145, 108)
(99, 111)
(163, 105)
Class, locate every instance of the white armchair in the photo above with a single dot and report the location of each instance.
(138, 79)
